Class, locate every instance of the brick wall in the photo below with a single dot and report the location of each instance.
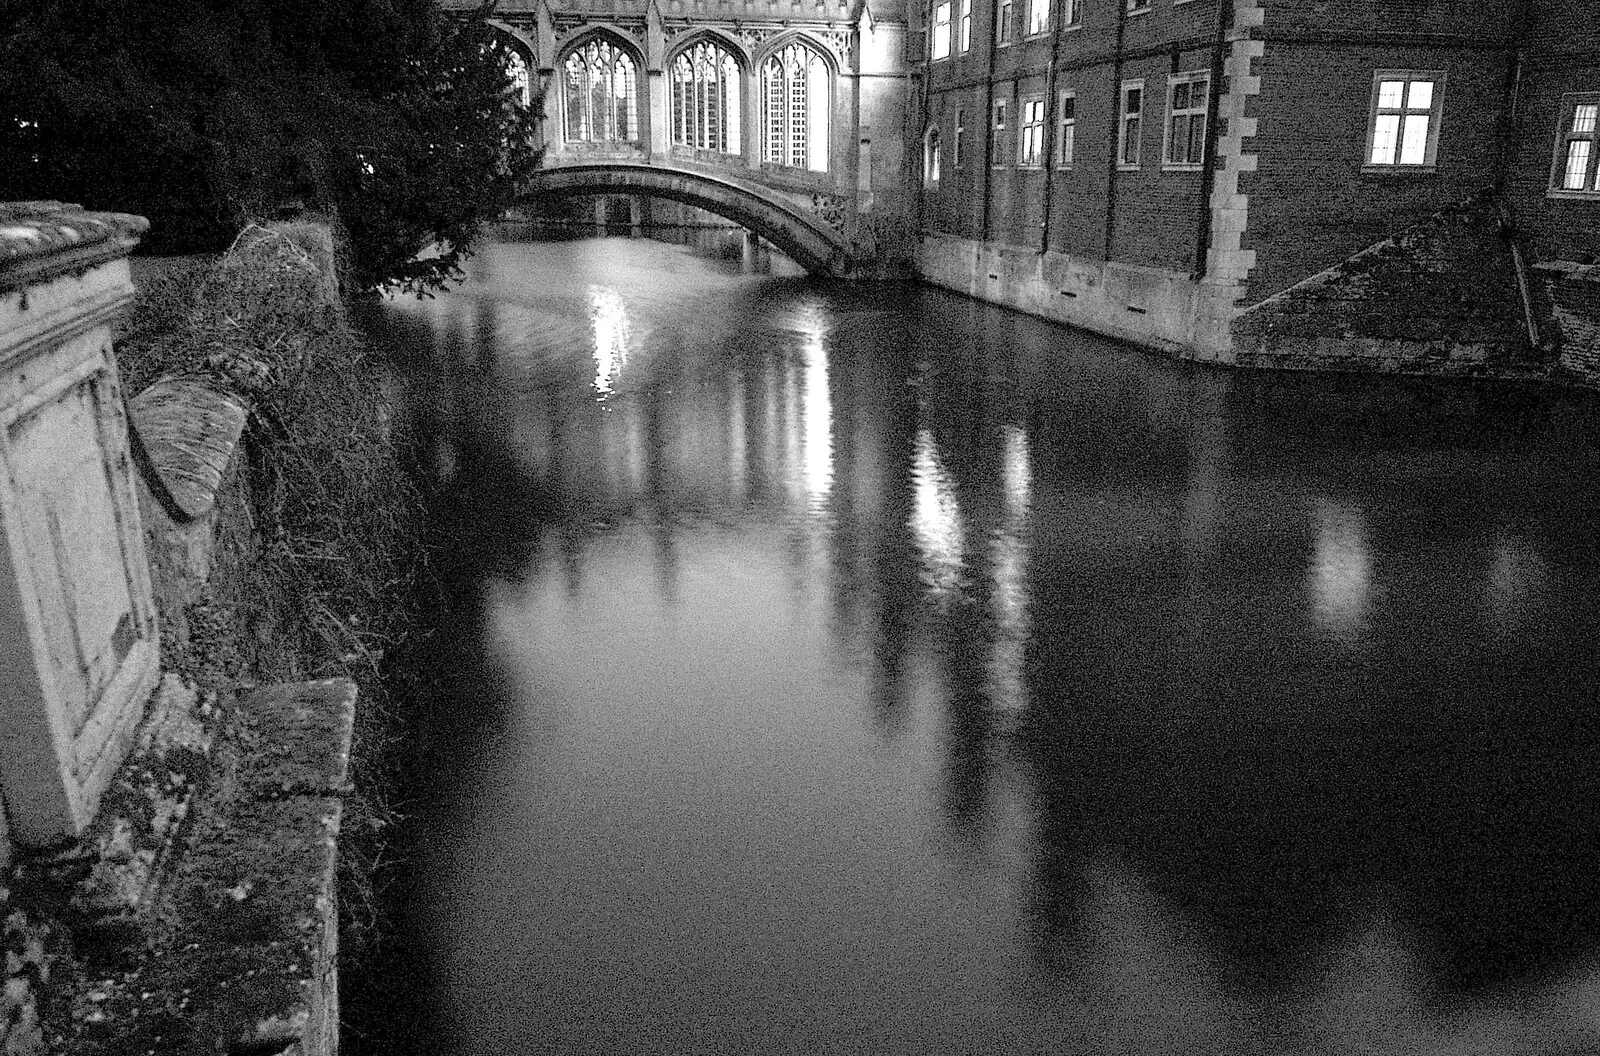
(1439, 297)
(1561, 234)
(1311, 203)
(1154, 214)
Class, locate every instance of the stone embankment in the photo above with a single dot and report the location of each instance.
(191, 904)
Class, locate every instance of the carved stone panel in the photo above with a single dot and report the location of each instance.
(78, 638)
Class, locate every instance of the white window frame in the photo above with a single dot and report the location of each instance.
(940, 32)
(1066, 127)
(931, 160)
(1038, 17)
(1568, 134)
(957, 154)
(997, 132)
(1404, 112)
(1031, 121)
(1124, 116)
(1201, 79)
(1138, 7)
(1005, 17)
(964, 36)
(1071, 14)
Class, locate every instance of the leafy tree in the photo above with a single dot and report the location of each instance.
(395, 118)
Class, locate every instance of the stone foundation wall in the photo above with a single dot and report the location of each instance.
(1148, 306)
(1569, 298)
(1439, 298)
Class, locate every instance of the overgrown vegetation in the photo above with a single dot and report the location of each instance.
(329, 576)
(399, 121)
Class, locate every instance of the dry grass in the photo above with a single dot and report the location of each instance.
(320, 571)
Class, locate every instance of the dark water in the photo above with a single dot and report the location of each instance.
(844, 670)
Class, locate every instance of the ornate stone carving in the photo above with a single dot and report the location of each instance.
(831, 209)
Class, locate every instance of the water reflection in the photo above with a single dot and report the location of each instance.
(883, 672)
(1341, 571)
(610, 317)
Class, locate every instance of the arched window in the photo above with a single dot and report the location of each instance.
(602, 93)
(705, 98)
(794, 108)
(521, 82)
(931, 159)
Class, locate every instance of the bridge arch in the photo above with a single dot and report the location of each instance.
(813, 245)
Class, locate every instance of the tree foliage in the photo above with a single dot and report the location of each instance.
(204, 114)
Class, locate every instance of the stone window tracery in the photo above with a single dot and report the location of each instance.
(521, 80)
(794, 105)
(705, 98)
(601, 94)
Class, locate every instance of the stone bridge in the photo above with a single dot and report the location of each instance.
(787, 117)
(813, 243)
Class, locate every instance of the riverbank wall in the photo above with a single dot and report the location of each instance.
(1448, 296)
(203, 907)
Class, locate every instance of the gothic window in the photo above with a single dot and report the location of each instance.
(794, 109)
(602, 94)
(705, 98)
(517, 71)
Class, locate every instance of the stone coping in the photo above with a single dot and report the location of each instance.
(40, 240)
(241, 952)
(186, 434)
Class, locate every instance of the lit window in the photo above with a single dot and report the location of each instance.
(602, 90)
(965, 40)
(521, 80)
(1128, 125)
(959, 154)
(1405, 119)
(1004, 17)
(1188, 95)
(941, 30)
(1577, 164)
(1030, 143)
(1069, 126)
(705, 98)
(930, 158)
(997, 135)
(1038, 16)
(1071, 13)
(794, 109)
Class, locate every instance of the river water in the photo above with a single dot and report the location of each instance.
(853, 670)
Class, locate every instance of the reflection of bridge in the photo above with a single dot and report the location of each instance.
(815, 245)
(785, 116)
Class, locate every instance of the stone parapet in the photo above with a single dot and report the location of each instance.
(246, 959)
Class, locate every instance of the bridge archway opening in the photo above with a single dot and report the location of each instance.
(813, 245)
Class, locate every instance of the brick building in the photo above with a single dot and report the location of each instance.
(1404, 185)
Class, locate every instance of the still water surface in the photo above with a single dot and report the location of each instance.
(848, 670)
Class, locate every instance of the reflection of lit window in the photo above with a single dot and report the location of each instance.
(1342, 570)
(610, 319)
(819, 420)
(935, 516)
(1007, 690)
